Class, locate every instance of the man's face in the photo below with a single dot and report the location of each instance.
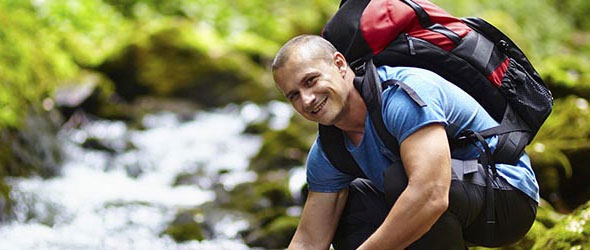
(316, 88)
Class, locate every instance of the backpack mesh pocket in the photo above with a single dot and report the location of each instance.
(531, 99)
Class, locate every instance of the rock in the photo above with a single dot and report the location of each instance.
(287, 148)
(573, 232)
(88, 93)
(275, 235)
(270, 191)
(174, 62)
(5, 202)
(185, 227)
(33, 149)
(266, 202)
(96, 144)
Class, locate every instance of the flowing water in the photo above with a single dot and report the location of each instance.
(125, 197)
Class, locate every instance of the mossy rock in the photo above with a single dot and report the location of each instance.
(174, 62)
(559, 154)
(5, 202)
(276, 235)
(268, 191)
(286, 148)
(33, 149)
(185, 227)
(573, 232)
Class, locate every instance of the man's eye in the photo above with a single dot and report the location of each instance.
(310, 81)
(293, 97)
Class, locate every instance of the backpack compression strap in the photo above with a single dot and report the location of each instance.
(426, 22)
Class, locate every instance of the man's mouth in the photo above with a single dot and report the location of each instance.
(320, 106)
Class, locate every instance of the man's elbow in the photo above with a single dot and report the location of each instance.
(439, 200)
(440, 205)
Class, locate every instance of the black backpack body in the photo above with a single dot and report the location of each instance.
(469, 53)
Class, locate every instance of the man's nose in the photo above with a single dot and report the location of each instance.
(308, 98)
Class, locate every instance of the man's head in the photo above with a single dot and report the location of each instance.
(314, 77)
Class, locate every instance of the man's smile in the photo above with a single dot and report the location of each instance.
(320, 106)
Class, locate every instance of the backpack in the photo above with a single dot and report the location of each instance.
(468, 52)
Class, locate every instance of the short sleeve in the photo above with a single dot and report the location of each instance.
(321, 175)
(402, 114)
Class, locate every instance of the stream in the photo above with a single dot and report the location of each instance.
(124, 194)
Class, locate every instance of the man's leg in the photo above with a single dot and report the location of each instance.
(364, 212)
(366, 209)
(515, 214)
(514, 211)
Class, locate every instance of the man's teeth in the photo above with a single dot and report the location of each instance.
(317, 109)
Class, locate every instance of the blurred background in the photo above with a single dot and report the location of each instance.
(155, 124)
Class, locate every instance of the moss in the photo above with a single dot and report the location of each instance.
(185, 228)
(570, 233)
(185, 232)
(547, 216)
(5, 202)
(277, 234)
(268, 191)
(559, 154)
(175, 62)
(287, 148)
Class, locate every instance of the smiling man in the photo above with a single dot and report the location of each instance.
(441, 207)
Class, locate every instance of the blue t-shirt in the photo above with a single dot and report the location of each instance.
(446, 104)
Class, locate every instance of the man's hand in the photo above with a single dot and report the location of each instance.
(319, 220)
(426, 158)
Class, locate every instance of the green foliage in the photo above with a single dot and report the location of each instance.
(29, 66)
(43, 44)
(567, 74)
(568, 128)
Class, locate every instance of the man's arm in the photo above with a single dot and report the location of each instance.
(426, 158)
(319, 220)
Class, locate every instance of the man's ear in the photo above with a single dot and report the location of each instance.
(340, 62)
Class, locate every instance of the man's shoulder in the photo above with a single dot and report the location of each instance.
(316, 154)
(403, 72)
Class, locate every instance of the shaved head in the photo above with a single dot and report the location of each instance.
(310, 47)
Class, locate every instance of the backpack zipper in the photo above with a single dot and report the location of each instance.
(410, 44)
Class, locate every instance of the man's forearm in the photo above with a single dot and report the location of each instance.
(414, 213)
(302, 242)
(319, 220)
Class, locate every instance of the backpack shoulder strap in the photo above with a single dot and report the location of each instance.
(370, 88)
(332, 141)
(332, 138)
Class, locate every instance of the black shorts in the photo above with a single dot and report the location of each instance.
(462, 224)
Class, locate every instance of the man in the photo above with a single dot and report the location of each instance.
(438, 209)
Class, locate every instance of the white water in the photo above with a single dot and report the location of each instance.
(96, 203)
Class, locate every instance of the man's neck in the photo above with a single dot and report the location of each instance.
(353, 119)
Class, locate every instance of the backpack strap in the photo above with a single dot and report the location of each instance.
(426, 22)
(332, 138)
(332, 141)
(370, 89)
(513, 136)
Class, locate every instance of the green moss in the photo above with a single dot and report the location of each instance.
(5, 202)
(285, 148)
(573, 232)
(185, 228)
(277, 234)
(185, 232)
